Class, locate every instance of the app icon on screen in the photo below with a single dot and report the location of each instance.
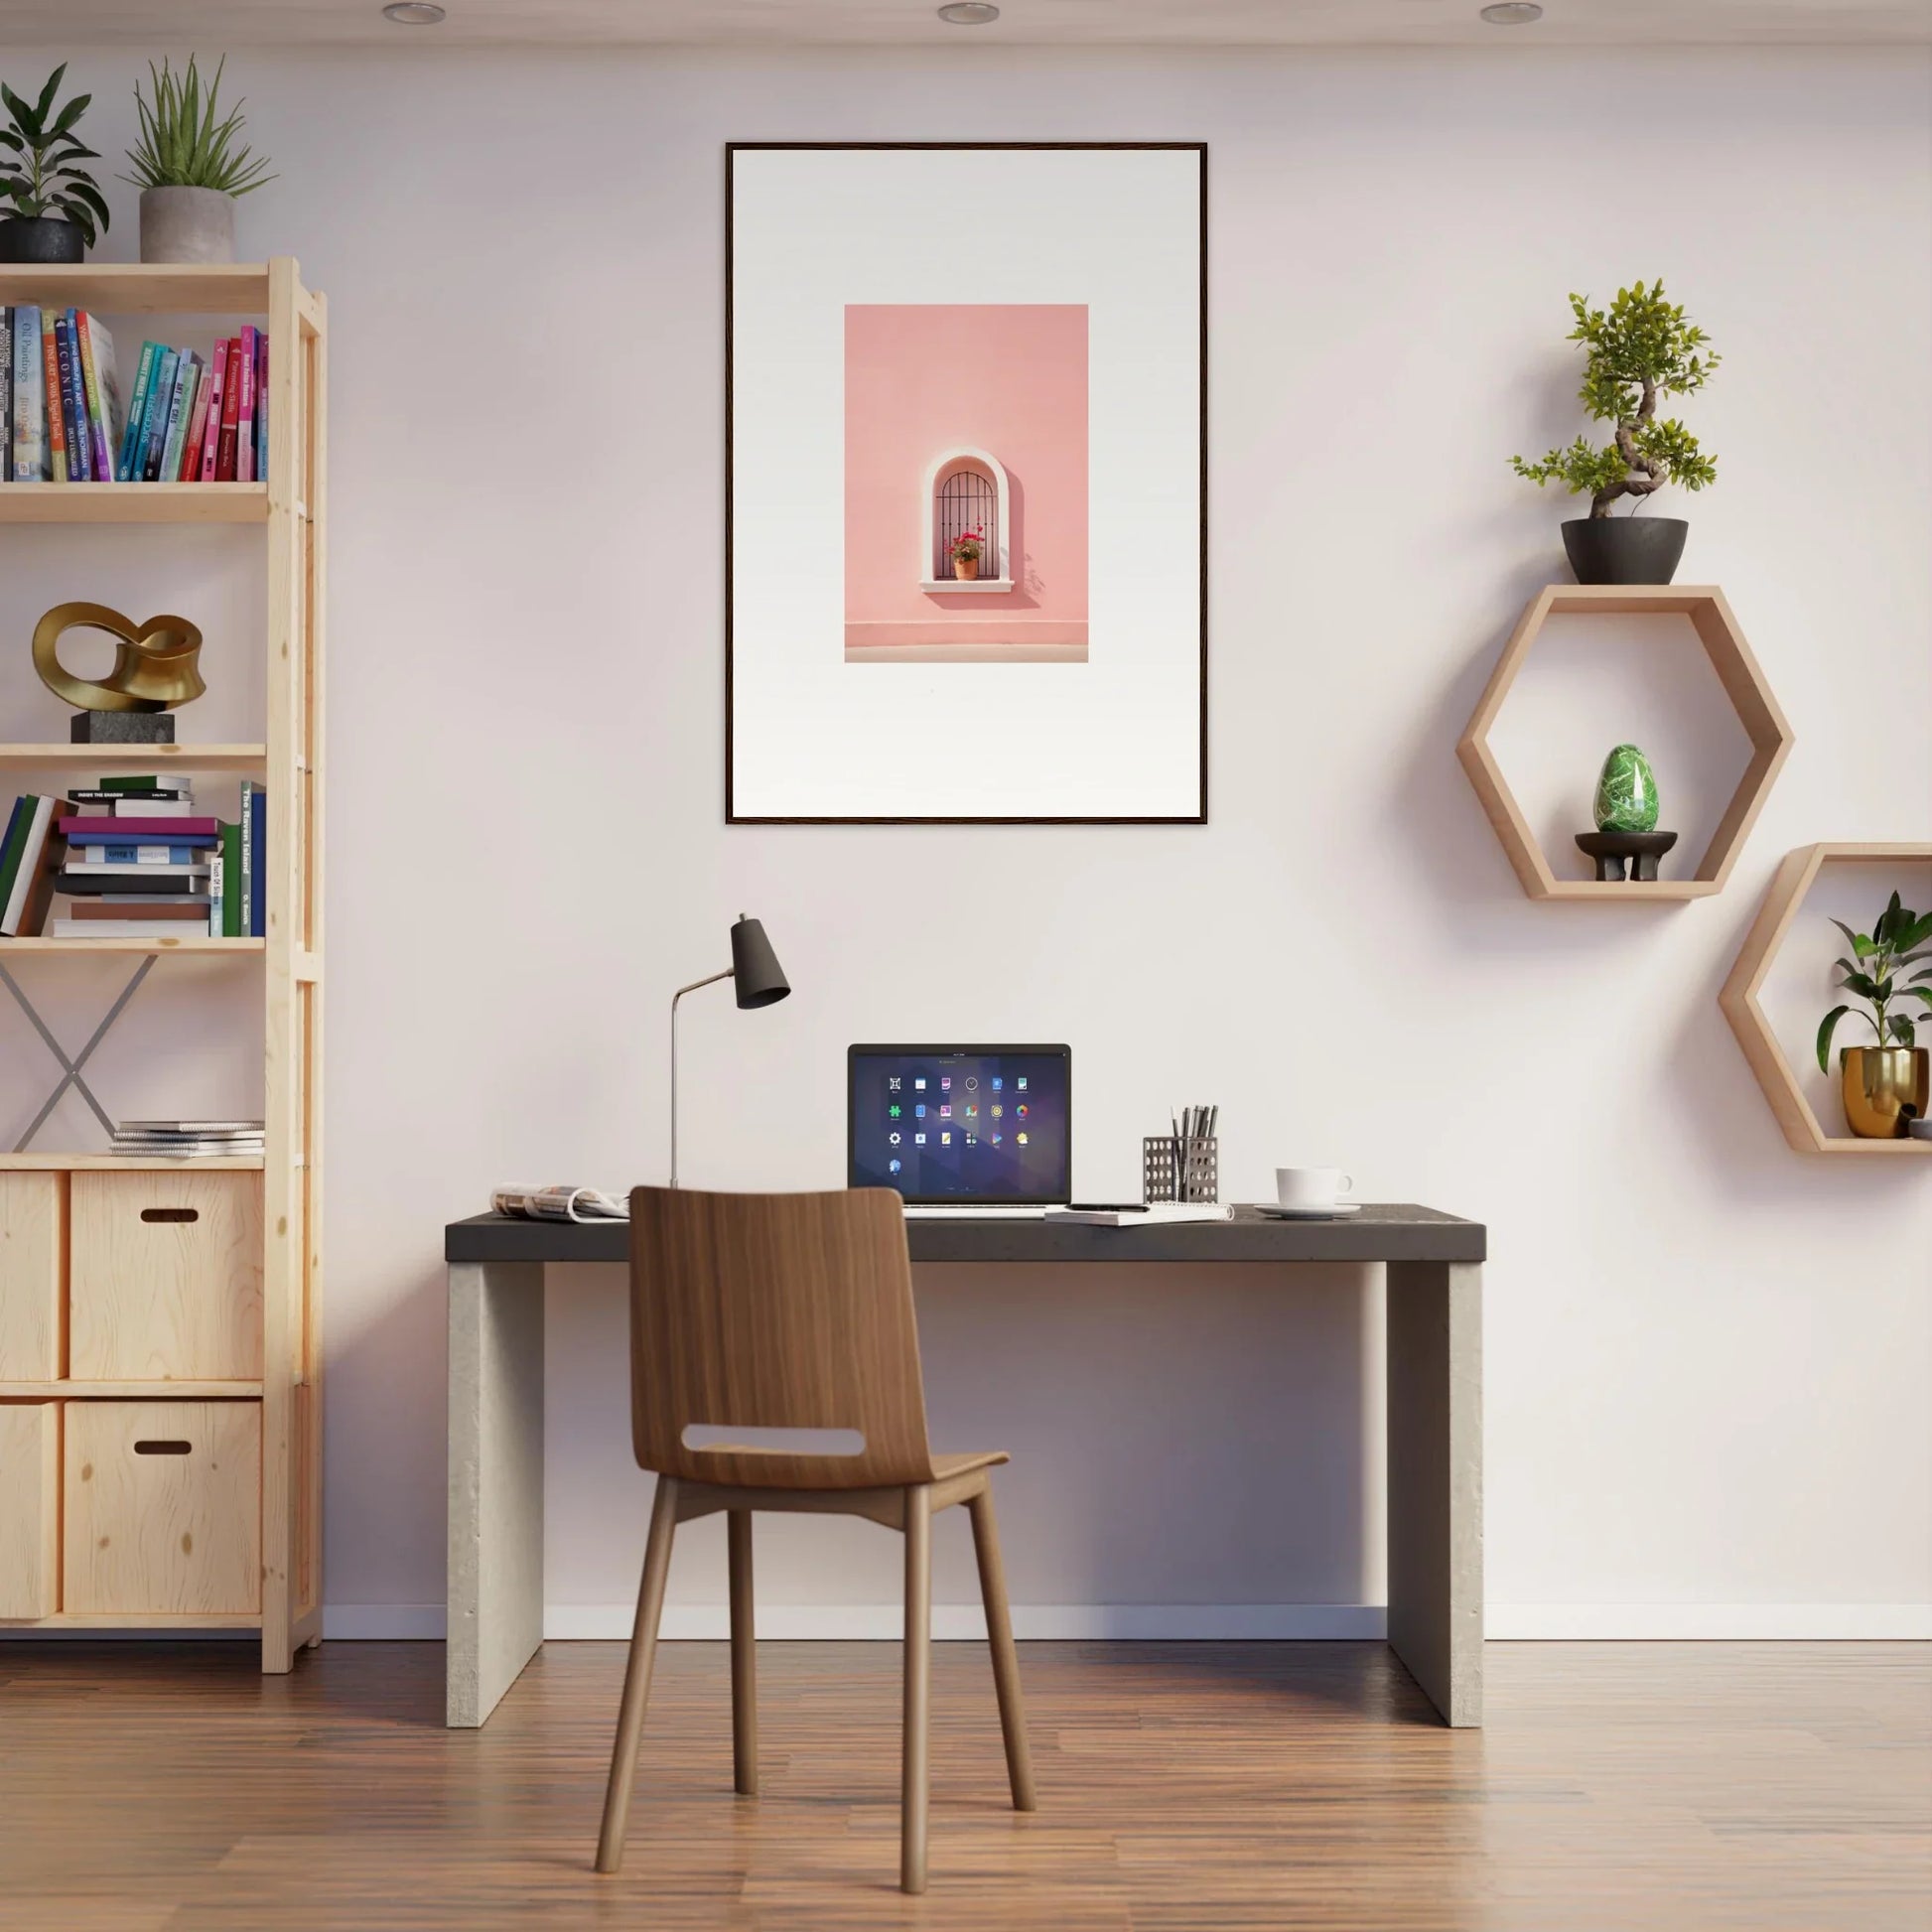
(892, 1166)
(919, 1110)
(1020, 1084)
(1020, 1111)
(945, 1113)
(1020, 1137)
(972, 1113)
(970, 1142)
(998, 1110)
(997, 1083)
(945, 1083)
(972, 1080)
(919, 1140)
(891, 1083)
(946, 1140)
(919, 1083)
(893, 1137)
(996, 1140)
(892, 1110)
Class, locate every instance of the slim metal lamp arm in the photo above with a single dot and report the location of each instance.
(675, 997)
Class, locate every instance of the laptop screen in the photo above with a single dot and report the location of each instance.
(966, 1124)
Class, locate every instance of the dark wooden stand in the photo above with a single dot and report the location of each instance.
(1612, 849)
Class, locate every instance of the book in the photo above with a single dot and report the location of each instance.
(261, 406)
(117, 929)
(74, 411)
(33, 875)
(145, 881)
(217, 374)
(145, 906)
(137, 408)
(183, 401)
(244, 464)
(122, 805)
(148, 781)
(256, 847)
(30, 413)
(134, 854)
(1156, 1214)
(104, 873)
(16, 834)
(100, 795)
(103, 392)
(6, 394)
(189, 465)
(232, 898)
(176, 831)
(57, 427)
(154, 428)
(230, 415)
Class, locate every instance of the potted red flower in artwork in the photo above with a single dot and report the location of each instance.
(966, 550)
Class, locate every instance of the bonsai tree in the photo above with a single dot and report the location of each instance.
(38, 149)
(183, 145)
(1641, 349)
(1898, 941)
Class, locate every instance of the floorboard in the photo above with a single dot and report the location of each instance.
(1753, 1787)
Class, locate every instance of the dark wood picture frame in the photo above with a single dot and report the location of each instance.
(732, 150)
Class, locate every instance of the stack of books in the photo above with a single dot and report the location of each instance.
(137, 862)
(187, 1140)
(187, 419)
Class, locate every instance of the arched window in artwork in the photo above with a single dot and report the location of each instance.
(965, 491)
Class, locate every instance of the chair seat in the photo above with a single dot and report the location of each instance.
(944, 1467)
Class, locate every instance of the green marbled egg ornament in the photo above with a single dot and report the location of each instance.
(1626, 792)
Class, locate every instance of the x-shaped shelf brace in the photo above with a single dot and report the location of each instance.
(72, 1076)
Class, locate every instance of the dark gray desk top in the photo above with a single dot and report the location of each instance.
(1392, 1231)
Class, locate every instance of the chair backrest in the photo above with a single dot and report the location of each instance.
(775, 1312)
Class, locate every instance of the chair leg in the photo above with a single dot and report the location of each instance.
(745, 1668)
(636, 1676)
(1005, 1660)
(916, 1766)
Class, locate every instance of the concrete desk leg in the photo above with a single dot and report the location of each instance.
(1435, 1327)
(496, 1586)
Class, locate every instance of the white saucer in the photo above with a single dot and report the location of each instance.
(1270, 1211)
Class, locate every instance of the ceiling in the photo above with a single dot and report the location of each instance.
(912, 23)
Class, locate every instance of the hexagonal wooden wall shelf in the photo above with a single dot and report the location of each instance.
(1738, 998)
(1738, 671)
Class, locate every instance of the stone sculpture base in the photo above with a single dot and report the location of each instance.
(122, 728)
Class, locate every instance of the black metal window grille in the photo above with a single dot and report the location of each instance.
(967, 501)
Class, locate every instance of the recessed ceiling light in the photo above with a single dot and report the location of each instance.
(413, 13)
(1512, 13)
(969, 13)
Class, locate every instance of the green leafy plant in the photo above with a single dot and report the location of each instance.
(1637, 350)
(183, 145)
(38, 151)
(966, 547)
(1898, 940)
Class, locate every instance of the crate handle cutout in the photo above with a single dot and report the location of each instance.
(171, 1213)
(163, 1446)
(773, 1441)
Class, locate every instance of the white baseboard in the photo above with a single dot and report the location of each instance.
(1709, 1622)
(1198, 1622)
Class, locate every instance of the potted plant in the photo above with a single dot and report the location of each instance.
(1885, 1084)
(1637, 351)
(188, 168)
(51, 206)
(966, 550)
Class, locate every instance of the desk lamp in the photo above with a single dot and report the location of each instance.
(758, 981)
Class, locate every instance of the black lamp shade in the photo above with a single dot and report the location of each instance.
(756, 977)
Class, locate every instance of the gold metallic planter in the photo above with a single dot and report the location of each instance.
(1884, 1087)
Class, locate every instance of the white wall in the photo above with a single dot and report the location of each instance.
(1707, 1358)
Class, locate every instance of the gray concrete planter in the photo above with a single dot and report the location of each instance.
(187, 224)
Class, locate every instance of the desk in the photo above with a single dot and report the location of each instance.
(1435, 1403)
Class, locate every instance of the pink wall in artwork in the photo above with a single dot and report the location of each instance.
(922, 379)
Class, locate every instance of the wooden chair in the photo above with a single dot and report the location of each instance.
(766, 1311)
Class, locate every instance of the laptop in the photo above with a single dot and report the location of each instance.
(962, 1130)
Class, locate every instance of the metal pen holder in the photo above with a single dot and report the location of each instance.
(1179, 1169)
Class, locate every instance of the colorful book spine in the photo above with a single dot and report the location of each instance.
(6, 396)
(33, 881)
(57, 417)
(30, 421)
(136, 855)
(73, 406)
(10, 846)
(103, 392)
(229, 894)
(261, 407)
(230, 416)
(161, 399)
(218, 894)
(178, 409)
(217, 372)
(137, 404)
(246, 853)
(245, 456)
(189, 465)
(154, 831)
(258, 864)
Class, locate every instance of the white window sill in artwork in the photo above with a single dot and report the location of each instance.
(984, 584)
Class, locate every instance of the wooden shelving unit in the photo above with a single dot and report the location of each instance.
(1793, 880)
(289, 506)
(1717, 631)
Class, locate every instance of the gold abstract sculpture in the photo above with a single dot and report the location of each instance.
(154, 662)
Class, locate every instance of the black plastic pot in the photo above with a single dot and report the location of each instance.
(40, 238)
(1624, 549)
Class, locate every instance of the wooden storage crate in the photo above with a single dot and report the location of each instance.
(163, 1509)
(32, 1260)
(166, 1277)
(29, 1508)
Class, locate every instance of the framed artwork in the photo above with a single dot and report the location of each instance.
(966, 483)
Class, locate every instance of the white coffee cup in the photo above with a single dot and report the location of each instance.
(1312, 1186)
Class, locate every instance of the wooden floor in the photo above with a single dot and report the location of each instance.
(1782, 1788)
